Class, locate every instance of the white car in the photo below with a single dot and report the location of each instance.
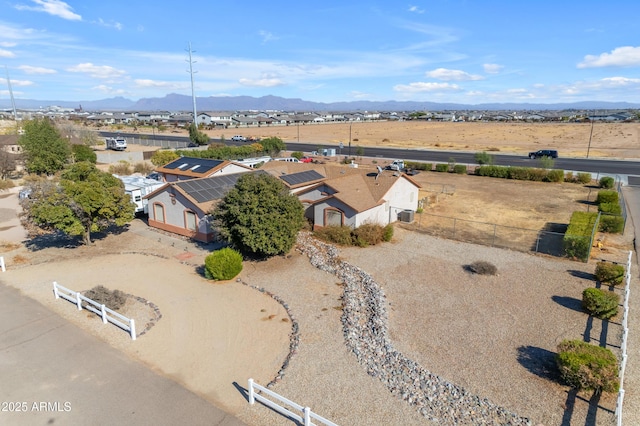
(238, 138)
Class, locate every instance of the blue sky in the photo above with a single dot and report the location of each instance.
(463, 51)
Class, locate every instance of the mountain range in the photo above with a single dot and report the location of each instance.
(176, 102)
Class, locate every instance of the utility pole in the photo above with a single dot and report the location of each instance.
(193, 93)
(590, 135)
(13, 102)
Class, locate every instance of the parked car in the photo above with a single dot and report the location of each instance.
(551, 153)
(306, 159)
(238, 138)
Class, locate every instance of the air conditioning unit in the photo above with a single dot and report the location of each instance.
(406, 216)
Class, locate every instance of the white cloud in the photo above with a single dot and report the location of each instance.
(626, 56)
(415, 9)
(7, 44)
(36, 70)
(452, 75)
(53, 7)
(112, 24)
(152, 83)
(266, 36)
(359, 95)
(6, 54)
(492, 68)
(426, 87)
(263, 82)
(21, 83)
(97, 71)
(108, 90)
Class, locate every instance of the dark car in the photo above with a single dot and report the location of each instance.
(551, 153)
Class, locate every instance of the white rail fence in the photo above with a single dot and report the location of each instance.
(623, 346)
(306, 416)
(2, 266)
(107, 315)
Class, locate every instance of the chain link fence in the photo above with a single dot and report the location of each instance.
(547, 241)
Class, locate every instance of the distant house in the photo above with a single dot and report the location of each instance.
(347, 196)
(185, 168)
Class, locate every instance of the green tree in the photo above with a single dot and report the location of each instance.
(483, 158)
(83, 201)
(273, 146)
(45, 150)
(197, 136)
(259, 215)
(162, 157)
(83, 153)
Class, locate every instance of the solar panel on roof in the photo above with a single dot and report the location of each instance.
(301, 177)
(202, 165)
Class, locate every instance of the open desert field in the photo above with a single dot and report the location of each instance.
(608, 140)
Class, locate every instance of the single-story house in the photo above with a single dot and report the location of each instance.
(185, 168)
(182, 207)
(347, 196)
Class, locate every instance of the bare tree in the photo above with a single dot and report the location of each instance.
(8, 162)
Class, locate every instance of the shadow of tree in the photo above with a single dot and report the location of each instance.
(582, 274)
(59, 239)
(538, 361)
(568, 302)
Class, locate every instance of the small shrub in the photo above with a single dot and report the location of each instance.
(387, 233)
(606, 182)
(569, 177)
(554, 176)
(369, 234)
(297, 154)
(460, 169)
(483, 268)
(610, 208)
(587, 367)
(442, 167)
(419, 210)
(609, 273)
(584, 178)
(223, 264)
(6, 184)
(143, 168)
(611, 224)
(122, 167)
(483, 158)
(111, 299)
(600, 303)
(607, 197)
(340, 235)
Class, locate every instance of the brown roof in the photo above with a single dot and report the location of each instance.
(359, 189)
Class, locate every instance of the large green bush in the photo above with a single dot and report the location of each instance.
(611, 224)
(600, 303)
(610, 208)
(554, 176)
(587, 367)
(223, 264)
(607, 197)
(606, 182)
(577, 240)
(609, 273)
(442, 167)
(584, 178)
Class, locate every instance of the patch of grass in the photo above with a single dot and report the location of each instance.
(111, 299)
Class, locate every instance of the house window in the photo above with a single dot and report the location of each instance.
(333, 218)
(190, 220)
(158, 212)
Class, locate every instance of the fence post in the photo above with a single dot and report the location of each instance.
(307, 416)
(252, 398)
(55, 290)
(78, 301)
(103, 314)
(2, 264)
(132, 327)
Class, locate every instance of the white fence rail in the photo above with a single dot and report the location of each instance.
(306, 414)
(2, 266)
(623, 346)
(107, 315)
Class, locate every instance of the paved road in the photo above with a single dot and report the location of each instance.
(55, 373)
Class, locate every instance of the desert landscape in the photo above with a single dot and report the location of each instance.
(608, 140)
(494, 336)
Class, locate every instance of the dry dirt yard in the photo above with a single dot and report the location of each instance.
(609, 140)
